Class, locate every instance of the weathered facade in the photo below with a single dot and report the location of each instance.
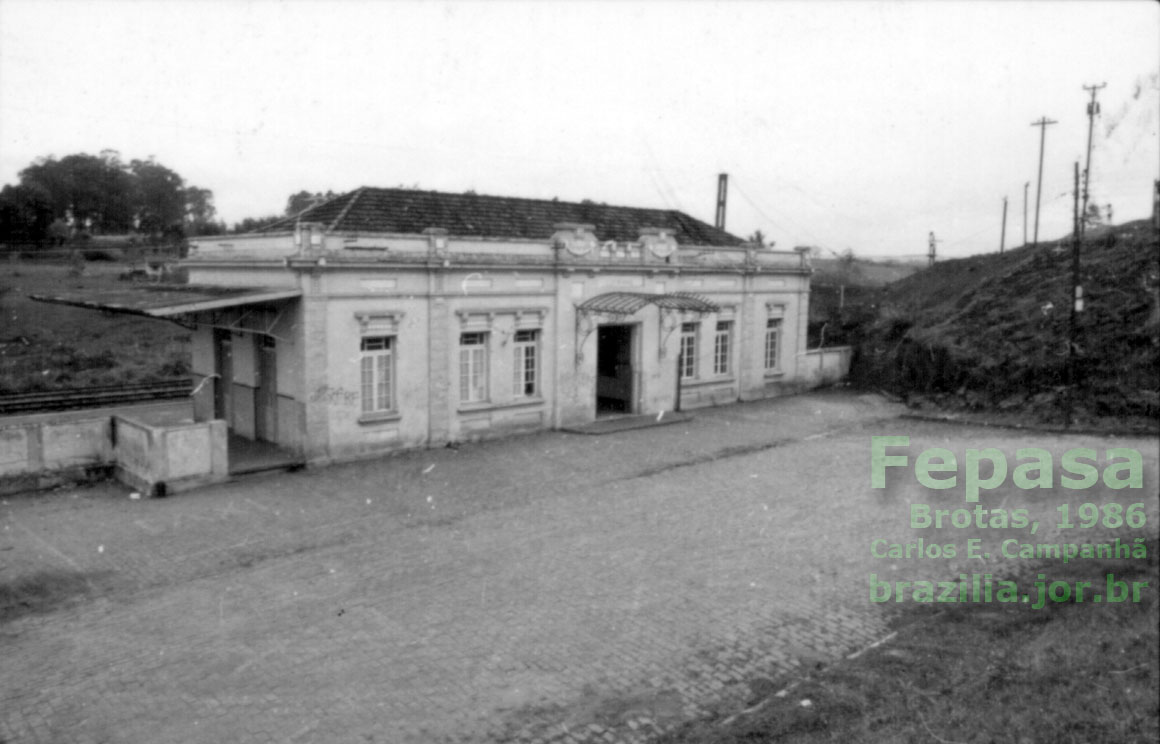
(389, 318)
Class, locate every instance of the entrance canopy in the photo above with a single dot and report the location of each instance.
(627, 303)
(168, 300)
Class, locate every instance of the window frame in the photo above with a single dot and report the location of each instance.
(525, 350)
(382, 360)
(723, 348)
(688, 349)
(773, 330)
(474, 378)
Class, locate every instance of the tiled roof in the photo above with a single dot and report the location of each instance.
(472, 215)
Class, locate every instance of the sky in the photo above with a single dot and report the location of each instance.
(853, 125)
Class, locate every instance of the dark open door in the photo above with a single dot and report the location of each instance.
(614, 371)
(224, 368)
(266, 396)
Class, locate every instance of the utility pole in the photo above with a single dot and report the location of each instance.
(1025, 185)
(1076, 298)
(931, 252)
(1003, 234)
(1042, 124)
(1156, 206)
(1093, 108)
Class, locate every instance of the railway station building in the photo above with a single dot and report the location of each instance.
(386, 319)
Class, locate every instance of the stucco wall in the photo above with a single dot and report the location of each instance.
(160, 460)
(424, 296)
(39, 454)
(36, 446)
(827, 366)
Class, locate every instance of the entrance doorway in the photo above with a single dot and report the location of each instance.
(266, 395)
(615, 375)
(224, 368)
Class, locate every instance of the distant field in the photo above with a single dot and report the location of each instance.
(43, 346)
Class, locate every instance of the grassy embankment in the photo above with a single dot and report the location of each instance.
(990, 333)
(44, 347)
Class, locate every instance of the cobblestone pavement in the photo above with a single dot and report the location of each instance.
(547, 588)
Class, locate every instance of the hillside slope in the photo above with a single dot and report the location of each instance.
(990, 332)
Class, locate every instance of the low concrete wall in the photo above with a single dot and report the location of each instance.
(826, 366)
(42, 454)
(173, 411)
(159, 460)
(155, 458)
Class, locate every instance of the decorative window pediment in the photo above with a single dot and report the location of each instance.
(379, 323)
(775, 310)
(484, 320)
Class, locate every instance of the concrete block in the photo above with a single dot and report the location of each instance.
(14, 451)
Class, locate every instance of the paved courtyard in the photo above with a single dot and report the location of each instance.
(548, 588)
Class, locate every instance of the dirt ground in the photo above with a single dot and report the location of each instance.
(545, 588)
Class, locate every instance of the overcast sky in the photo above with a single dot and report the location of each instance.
(861, 125)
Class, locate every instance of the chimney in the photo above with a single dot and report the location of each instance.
(722, 187)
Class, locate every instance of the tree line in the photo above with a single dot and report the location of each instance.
(83, 195)
(294, 204)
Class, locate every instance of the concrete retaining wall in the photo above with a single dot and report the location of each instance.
(153, 458)
(826, 366)
(159, 460)
(38, 454)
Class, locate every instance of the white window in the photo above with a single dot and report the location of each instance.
(722, 347)
(526, 364)
(472, 367)
(688, 350)
(377, 365)
(772, 344)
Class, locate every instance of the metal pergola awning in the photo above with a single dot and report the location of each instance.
(627, 303)
(671, 307)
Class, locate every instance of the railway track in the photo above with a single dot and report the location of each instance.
(93, 397)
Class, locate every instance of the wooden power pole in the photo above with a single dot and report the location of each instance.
(1042, 124)
(1025, 185)
(1003, 234)
(1076, 300)
(1093, 108)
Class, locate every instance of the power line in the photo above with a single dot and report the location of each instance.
(745, 195)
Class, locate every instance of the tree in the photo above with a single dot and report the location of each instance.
(251, 224)
(848, 269)
(200, 211)
(304, 200)
(26, 213)
(160, 199)
(116, 187)
(92, 192)
(101, 194)
(758, 238)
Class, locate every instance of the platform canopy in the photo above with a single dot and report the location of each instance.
(627, 303)
(168, 300)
